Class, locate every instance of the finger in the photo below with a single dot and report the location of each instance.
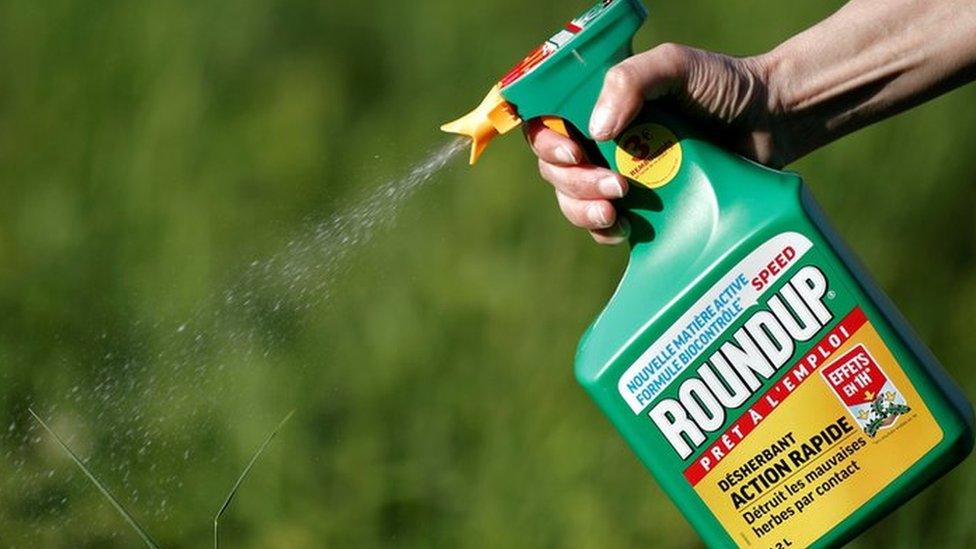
(632, 82)
(587, 214)
(552, 147)
(584, 182)
(614, 235)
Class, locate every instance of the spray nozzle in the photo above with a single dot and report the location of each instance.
(561, 78)
(494, 116)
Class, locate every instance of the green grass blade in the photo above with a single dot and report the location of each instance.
(101, 488)
(243, 476)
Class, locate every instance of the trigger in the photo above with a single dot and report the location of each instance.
(591, 154)
(556, 124)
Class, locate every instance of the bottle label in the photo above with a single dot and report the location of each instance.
(787, 410)
(649, 154)
(535, 58)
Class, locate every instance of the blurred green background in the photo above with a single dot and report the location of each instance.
(149, 151)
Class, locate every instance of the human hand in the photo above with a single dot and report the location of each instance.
(730, 96)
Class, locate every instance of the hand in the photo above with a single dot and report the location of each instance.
(870, 60)
(730, 96)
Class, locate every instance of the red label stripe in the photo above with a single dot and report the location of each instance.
(774, 397)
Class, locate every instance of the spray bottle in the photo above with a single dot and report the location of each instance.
(751, 363)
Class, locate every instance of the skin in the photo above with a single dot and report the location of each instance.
(870, 60)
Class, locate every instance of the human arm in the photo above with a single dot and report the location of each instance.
(868, 61)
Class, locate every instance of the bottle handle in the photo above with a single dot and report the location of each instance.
(640, 204)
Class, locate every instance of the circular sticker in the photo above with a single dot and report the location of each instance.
(649, 154)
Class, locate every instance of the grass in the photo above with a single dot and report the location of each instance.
(243, 476)
(148, 150)
(129, 517)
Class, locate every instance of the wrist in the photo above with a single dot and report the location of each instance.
(764, 136)
(780, 126)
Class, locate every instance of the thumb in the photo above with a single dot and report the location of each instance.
(637, 79)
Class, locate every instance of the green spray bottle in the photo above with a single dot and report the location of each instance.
(758, 372)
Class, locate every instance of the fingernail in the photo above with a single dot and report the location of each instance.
(623, 225)
(610, 187)
(616, 235)
(566, 156)
(597, 216)
(619, 233)
(601, 123)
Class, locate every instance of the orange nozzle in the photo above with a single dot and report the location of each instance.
(494, 116)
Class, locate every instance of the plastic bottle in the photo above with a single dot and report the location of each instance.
(754, 367)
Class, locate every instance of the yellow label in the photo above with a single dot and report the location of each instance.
(787, 478)
(649, 154)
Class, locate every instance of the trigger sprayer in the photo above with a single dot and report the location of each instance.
(559, 81)
(752, 364)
